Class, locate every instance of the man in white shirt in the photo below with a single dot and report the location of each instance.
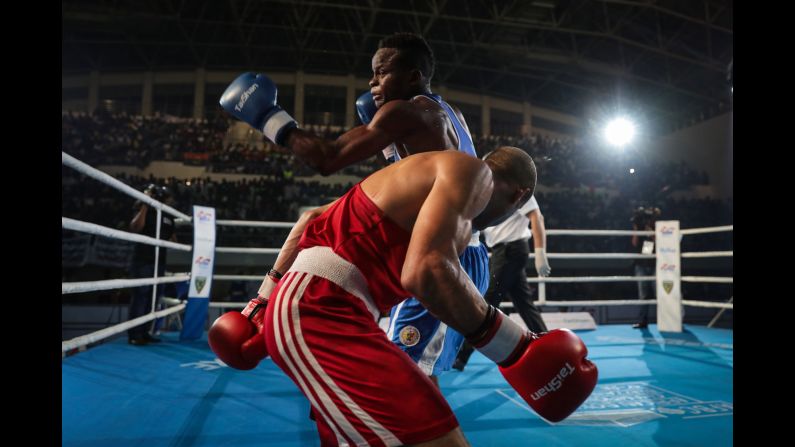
(510, 249)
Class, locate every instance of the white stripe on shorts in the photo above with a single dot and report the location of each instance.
(391, 332)
(433, 350)
(386, 436)
(281, 298)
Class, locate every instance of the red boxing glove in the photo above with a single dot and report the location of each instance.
(237, 339)
(254, 349)
(549, 370)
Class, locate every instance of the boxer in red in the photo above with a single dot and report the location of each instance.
(396, 234)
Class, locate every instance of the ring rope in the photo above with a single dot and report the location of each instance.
(85, 169)
(270, 251)
(572, 303)
(596, 256)
(707, 254)
(695, 303)
(576, 303)
(551, 279)
(713, 279)
(88, 227)
(112, 330)
(108, 284)
(237, 277)
(707, 230)
(255, 223)
(228, 305)
(570, 232)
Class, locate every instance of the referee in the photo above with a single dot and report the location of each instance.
(510, 248)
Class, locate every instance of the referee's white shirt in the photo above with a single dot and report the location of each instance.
(514, 228)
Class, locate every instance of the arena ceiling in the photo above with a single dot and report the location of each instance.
(667, 59)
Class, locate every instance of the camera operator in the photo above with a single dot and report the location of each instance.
(143, 262)
(643, 219)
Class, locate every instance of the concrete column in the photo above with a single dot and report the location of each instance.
(198, 93)
(146, 97)
(485, 115)
(527, 119)
(350, 101)
(299, 97)
(93, 90)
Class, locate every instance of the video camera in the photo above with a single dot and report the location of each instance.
(643, 216)
(157, 192)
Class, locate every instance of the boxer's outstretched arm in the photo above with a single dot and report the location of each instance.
(432, 271)
(393, 122)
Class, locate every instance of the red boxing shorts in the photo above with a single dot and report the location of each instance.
(323, 333)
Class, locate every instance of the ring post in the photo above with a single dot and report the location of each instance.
(669, 274)
(201, 276)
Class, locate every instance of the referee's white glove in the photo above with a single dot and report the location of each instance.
(542, 263)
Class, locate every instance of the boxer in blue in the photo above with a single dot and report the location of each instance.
(400, 116)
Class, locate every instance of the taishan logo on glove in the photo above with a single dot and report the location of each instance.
(555, 383)
(244, 97)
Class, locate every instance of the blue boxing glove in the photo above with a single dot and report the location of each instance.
(252, 98)
(365, 107)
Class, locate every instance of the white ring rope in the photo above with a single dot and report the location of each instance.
(88, 227)
(570, 232)
(693, 303)
(707, 254)
(551, 279)
(596, 256)
(714, 279)
(550, 232)
(575, 303)
(695, 254)
(109, 180)
(245, 223)
(112, 330)
(238, 277)
(255, 223)
(108, 284)
(228, 305)
(572, 303)
(241, 250)
(707, 230)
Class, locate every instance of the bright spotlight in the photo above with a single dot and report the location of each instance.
(631, 170)
(619, 132)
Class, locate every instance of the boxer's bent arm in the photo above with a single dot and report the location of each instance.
(391, 123)
(289, 251)
(432, 271)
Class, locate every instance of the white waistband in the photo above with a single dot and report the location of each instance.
(323, 262)
(474, 241)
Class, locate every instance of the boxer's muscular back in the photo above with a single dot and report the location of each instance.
(438, 193)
